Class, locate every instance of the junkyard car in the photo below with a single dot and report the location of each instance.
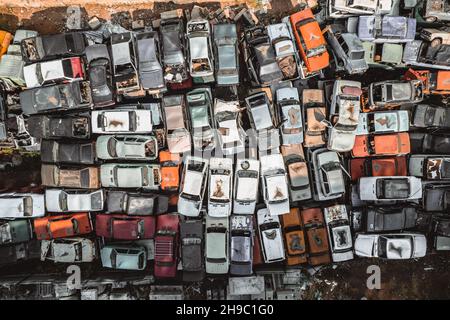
(70, 177)
(339, 234)
(123, 119)
(170, 170)
(149, 66)
(178, 136)
(315, 111)
(436, 197)
(381, 219)
(382, 145)
(383, 55)
(270, 236)
(260, 57)
(70, 153)
(124, 62)
(441, 233)
(220, 187)
(71, 250)
(429, 167)
(389, 188)
(71, 200)
(241, 245)
(100, 75)
(201, 59)
(192, 249)
(430, 143)
(344, 115)
(199, 103)
(430, 117)
(61, 97)
(435, 36)
(394, 93)
(126, 147)
(123, 227)
(47, 47)
(25, 251)
(288, 103)
(344, 8)
(132, 203)
(16, 231)
(437, 10)
(377, 167)
(228, 123)
(329, 178)
(391, 246)
(297, 172)
(294, 237)
(54, 127)
(62, 226)
(383, 122)
(263, 120)
(54, 71)
(386, 29)
(310, 42)
(422, 54)
(5, 41)
(137, 175)
(274, 184)
(246, 183)
(226, 53)
(316, 233)
(21, 205)
(217, 252)
(123, 257)
(193, 185)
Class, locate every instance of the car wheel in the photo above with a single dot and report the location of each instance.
(436, 42)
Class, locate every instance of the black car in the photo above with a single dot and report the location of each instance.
(53, 127)
(192, 243)
(100, 75)
(48, 47)
(137, 203)
(149, 66)
(70, 153)
(441, 233)
(61, 97)
(430, 117)
(436, 198)
(20, 252)
(379, 219)
(429, 143)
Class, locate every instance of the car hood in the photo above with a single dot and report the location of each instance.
(364, 245)
(420, 246)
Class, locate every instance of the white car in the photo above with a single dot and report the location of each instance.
(389, 188)
(227, 121)
(246, 183)
(347, 8)
(344, 115)
(201, 65)
(133, 175)
(339, 233)
(383, 122)
(288, 102)
(270, 236)
(193, 185)
(70, 250)
(126, 120)
(391, 246)
(21, 205)
(274, 184)
(220, 187)
(216, 241)
(127, 147)
(59, 200)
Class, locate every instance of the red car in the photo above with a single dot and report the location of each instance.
(367, 167)
(62, 226)
(166, 245)
(123, 227)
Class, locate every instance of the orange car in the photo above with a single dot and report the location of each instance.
(310, 41)
(316, 233)
(434, 82)
(5, 40)
(381, 145)
(170, 170)
(294, 237)
(61, 226)
(367, 167)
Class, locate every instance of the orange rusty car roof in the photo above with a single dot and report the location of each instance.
(292, 218)
(168, 156)
(170, 177)
(443, 80)
(396, 143)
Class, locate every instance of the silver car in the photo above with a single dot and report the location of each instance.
(193, 186)
(226, 52)
(329, 178)
(70, 250)
(288, 102)
(149, 65)
(241, 246)
(61, 200)
(137, 175)
(124, 257)
(126, 147)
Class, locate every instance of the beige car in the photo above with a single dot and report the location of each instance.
(315, 128)
(55, 176)
(435, 36)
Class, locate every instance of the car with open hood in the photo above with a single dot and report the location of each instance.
(151, 73)
(429, 167)
(270, 236)
(54, 71)
(328, 175)
(21, 205)
(193, 186)
(241, 245)
(315, 115)
(220, 190)
(291, 116)
(131, 175)
(226, 53)
(56, 127)
(394, 93)
(73, 200)
(136, 204)
(389, 188)
(246, 186)
(177, 126)
(377, 167)
(383, 122)
(99, 71)
(432, 117)
(391, 246)
(339, 233)
(200, 54)
(274, 184)
(125, 119)
(71, 96)
(126, 147)
(16, 231)
(192, 249)
(62, 226)
(217, 253)
(386, 28)
(316, 235)
(124, 227)
(70, 176)
(199, 105)
(297, 172)
(123, 257)
(228, 122)
(68, 250)
(382, 145)
(68, 153)
(294, 237)
(123, 55)
(385, 218)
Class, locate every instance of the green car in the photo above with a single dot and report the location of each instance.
(383, 55)
(15, 231)
(199, 103)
